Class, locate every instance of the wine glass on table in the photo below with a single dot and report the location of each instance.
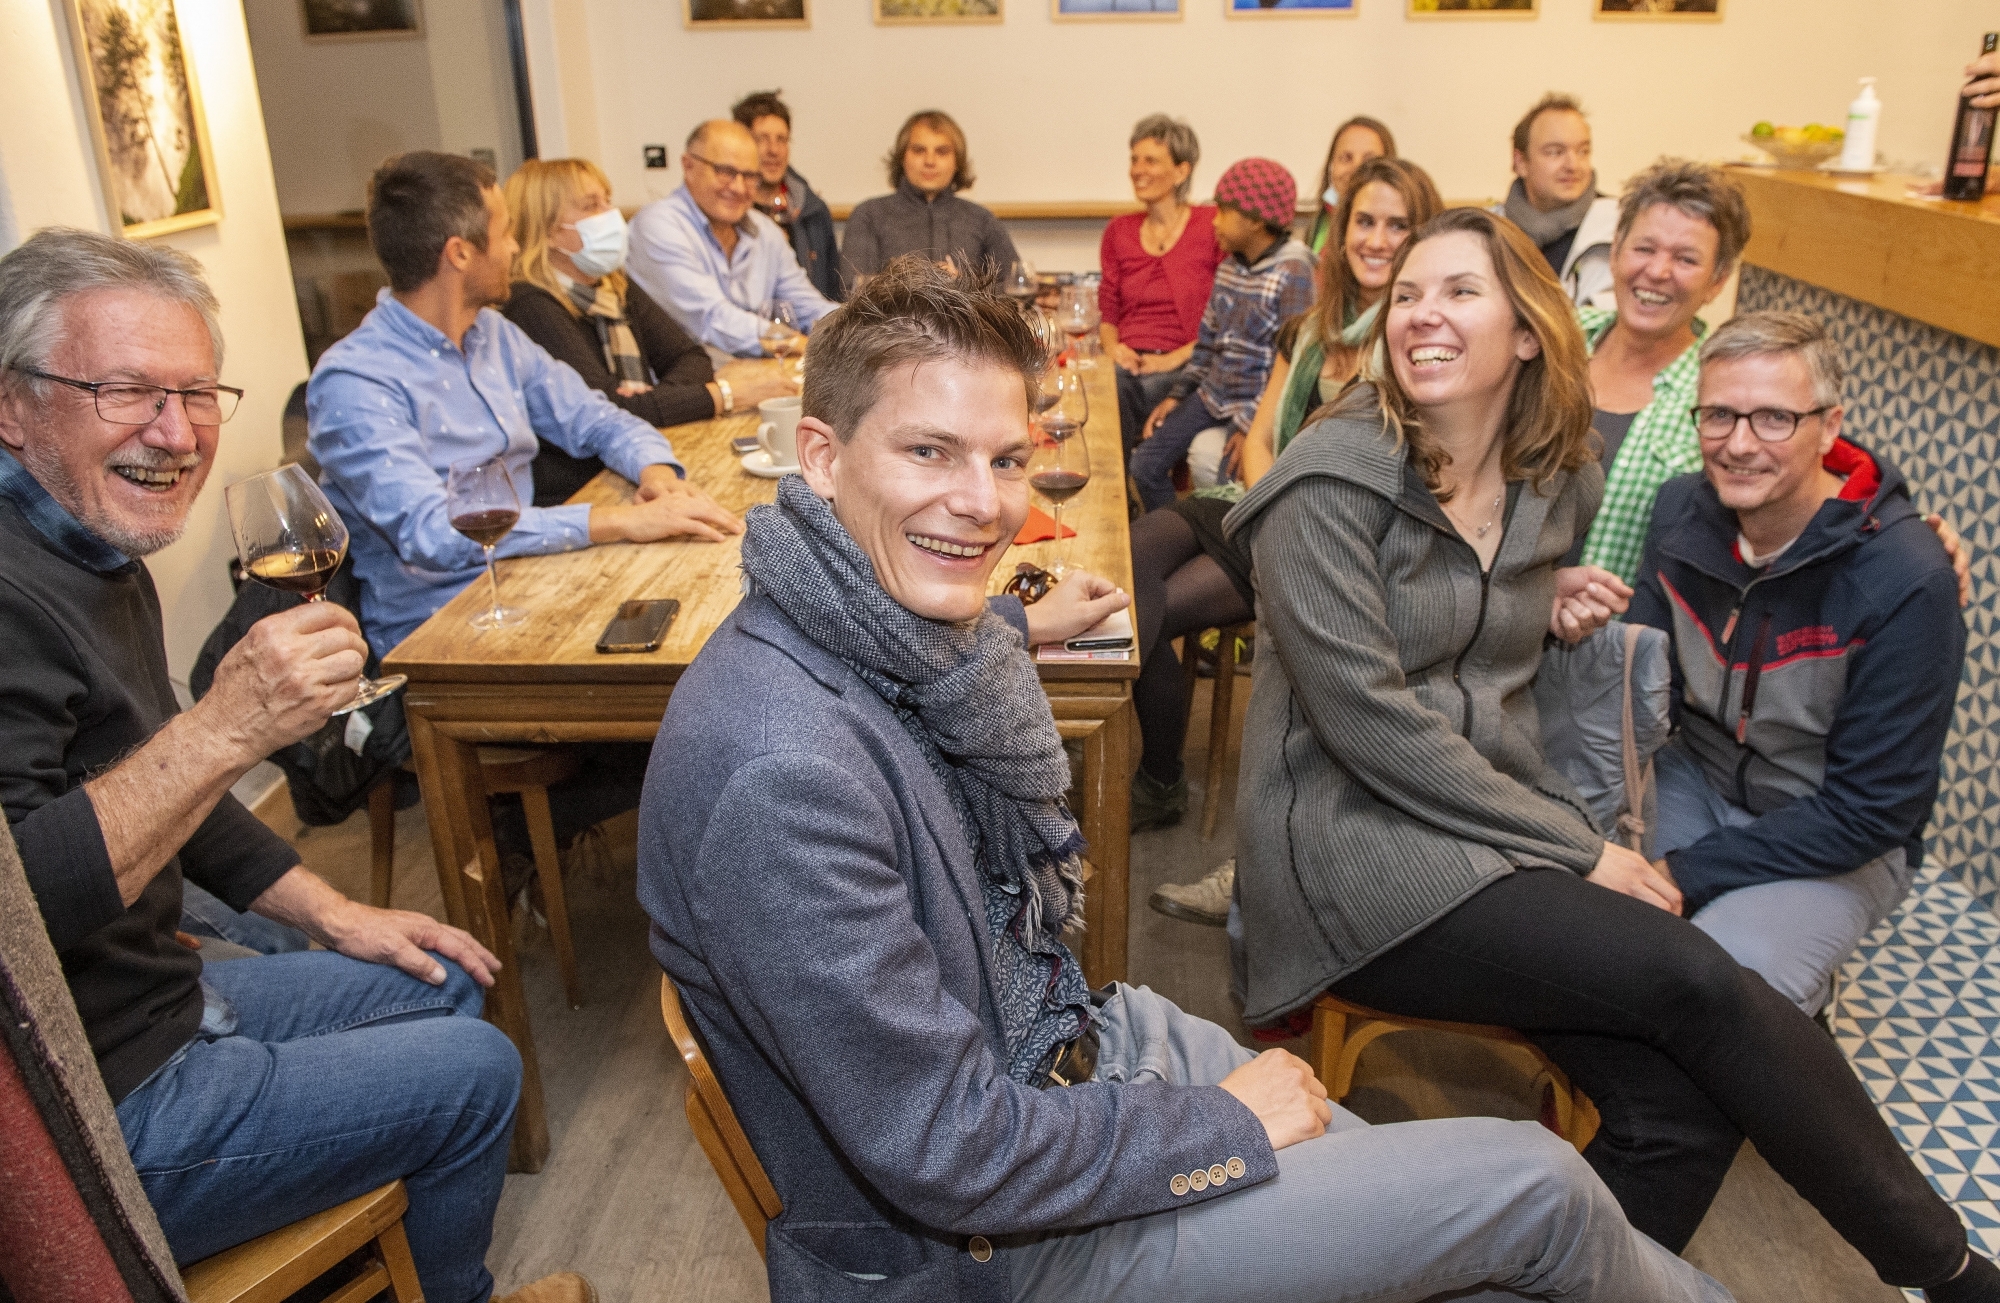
(483, 505)
(1077, 316)
(1019, 283)
(289, 537)
(1058, 469)
(1062, 405)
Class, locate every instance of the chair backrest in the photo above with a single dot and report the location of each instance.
(716, 1127)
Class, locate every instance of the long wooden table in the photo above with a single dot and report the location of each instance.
(543, 681)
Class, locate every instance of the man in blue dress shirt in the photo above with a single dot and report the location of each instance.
(432, 377)
(710, 258)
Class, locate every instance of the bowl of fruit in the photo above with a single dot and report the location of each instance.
(1797, 147)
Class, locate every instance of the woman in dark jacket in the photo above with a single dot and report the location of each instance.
(571, 296)
(1406, 844)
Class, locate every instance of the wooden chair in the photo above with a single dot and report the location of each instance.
(715, 1126)
(504, 769)
(1341, 1031)
(273, 1267)
(1220, 713)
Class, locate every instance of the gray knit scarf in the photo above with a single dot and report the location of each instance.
(1543, 227)
(969, 694)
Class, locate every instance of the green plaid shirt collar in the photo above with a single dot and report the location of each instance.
(1660, 445)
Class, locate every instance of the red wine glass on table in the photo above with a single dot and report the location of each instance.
(1019, 283)
(289, 537)
(1061, 404)
(1058, 469)
(483, 506)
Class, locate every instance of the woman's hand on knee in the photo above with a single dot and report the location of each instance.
(1630, 873)
(1280, 1088)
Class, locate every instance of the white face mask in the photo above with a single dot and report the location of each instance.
(1331, 197)
(603, 236)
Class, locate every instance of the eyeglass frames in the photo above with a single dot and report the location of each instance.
(128, 404)
(1770, 424)
(726, 175)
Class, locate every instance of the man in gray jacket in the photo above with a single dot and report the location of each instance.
(861, 889)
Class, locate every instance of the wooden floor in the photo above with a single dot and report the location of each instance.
(628, 1197)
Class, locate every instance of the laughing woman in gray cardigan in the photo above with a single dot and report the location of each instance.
(1406, 844)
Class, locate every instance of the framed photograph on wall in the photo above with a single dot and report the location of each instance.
(144, 105)
(749, 13)
(361, 20)
(914, 13)
(1472, 8)
(1090, 11)
(1290, 8)
(1700, 11)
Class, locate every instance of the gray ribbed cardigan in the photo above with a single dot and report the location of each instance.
(1391, 759)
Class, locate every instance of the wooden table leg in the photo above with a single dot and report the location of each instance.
(455, 801)
(1106, 819)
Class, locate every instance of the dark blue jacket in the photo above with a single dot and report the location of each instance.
(812, 239)
(814, 898)
(1848, 648)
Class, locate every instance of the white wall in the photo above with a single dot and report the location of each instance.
(46, 155)
(1047, 105)
(336, 109)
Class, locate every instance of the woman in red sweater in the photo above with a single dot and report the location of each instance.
(1158, 267)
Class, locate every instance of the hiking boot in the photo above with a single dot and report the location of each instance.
(1205, 902)
(563, 1287)
(1156, 804)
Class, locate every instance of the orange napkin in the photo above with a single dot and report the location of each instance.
(1041, 527)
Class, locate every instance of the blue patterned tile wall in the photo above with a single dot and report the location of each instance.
(1930, 401)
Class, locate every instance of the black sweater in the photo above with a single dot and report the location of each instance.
(83, 681)
(680, 367)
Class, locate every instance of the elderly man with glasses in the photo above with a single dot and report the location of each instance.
(710, 258)
(1817, 651)
(253, 1093)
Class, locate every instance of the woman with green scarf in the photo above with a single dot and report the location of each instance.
(1187, 577)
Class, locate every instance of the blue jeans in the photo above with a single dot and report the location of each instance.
(340, 1076)
(1137, 397)
(203, 915)
(1154, 460)
(1795, 933)
(1469, 1208)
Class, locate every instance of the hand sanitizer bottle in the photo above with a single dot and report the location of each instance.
(1863, 116)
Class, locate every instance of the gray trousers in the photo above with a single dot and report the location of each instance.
(1466, 1208)
(1794, 933)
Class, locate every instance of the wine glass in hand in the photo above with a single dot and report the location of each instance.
(1061, 403)
(1058, 469)
(480, 497)
(289, 537)
(778, 327)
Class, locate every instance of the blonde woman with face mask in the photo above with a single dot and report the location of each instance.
(571, 296)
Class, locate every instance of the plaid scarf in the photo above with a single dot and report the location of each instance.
(605, 309)
(967, 693)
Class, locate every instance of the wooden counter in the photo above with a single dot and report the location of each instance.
(1872, 240)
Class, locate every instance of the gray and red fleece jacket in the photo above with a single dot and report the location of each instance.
(1816, 691)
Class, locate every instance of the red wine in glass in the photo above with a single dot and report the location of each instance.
(289, 537)
(305, 571)
(1058, 426)
(1059, 486)
(486, 526)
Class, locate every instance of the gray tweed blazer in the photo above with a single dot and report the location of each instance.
(1392, 763)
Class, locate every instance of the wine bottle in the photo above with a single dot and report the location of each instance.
(1971, 142)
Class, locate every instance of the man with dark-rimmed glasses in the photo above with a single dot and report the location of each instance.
(706, 254)
(253, 1093)
(1817, 650)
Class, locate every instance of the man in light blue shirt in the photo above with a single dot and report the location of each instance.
(710, 258)
(432, 377)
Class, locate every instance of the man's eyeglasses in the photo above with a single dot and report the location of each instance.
(1771, 424)
(128, 404)
(726, 175)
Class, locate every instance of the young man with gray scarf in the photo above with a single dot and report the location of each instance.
(1554, 199)
(861, 886)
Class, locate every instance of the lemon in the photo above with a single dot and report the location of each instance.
(1763, 129)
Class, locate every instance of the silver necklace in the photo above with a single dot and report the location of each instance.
(1492, 520)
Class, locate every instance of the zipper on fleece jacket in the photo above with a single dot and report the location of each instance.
(1485, 586)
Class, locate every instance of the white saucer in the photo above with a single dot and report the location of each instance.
(759, 463)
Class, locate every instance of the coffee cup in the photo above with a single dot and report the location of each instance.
(778, 436)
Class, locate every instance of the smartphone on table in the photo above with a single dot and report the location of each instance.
(640, 625)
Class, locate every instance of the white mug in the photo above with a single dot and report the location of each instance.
(779, 433)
